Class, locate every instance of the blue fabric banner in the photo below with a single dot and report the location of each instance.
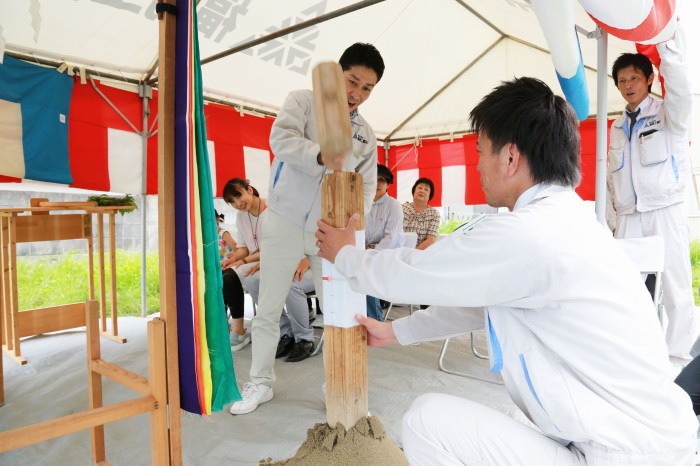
(44, 97)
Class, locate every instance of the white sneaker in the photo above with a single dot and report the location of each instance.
(253, 395)
(239, 341)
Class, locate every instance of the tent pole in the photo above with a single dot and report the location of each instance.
(601, 133)
(146, 93)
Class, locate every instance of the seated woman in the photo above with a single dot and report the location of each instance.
(232, 288)
(297, 338)
(418, 216)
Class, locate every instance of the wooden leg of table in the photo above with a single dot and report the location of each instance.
(91, 270)
(5, 283)
(14, 304)
(160, 435)
(101, 257)
(97, 433)
(113, 269)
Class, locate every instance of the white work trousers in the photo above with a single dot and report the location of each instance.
(449, 430)
(282, 246)
(672, 225)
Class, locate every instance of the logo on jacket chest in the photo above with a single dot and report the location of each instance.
(652, 122)
(358, 137)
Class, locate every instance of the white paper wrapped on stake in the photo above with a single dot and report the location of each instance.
(340, 303)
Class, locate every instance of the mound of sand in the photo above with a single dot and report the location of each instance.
(364, 444)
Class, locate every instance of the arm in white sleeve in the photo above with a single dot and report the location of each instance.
(489, 265)
(437, 323)
(393, 228)
(287, 137)
(674, 69)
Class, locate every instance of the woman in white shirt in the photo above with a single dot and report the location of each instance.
(297, 338)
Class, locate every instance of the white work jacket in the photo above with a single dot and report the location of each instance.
(649, 169)
(572, 328)
(295, 175)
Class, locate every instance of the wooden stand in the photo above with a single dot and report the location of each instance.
(161, 394)
(166, 227)
(153, 397)
(346, 348)
(40, 226)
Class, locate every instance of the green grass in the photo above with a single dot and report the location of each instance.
(61, 280)
(695, 264)
(50, 281)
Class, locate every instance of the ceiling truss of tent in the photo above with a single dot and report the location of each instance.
(392, 135)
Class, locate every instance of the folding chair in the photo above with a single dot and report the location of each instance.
(443, 367)
(648, 255)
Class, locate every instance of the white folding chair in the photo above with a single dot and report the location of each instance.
(475, 220)
(648, 255)
(443, 366)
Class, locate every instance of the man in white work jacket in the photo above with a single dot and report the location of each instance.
(648, 169)
(294, 206)
(572, 329)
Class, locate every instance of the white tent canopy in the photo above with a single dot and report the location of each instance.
(441, 56)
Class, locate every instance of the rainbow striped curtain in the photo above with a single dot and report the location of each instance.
(207, 378)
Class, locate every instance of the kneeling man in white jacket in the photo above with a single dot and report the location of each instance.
(572, 329)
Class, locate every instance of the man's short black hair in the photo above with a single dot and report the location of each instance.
(637, 60)
(384, 172)
(427, 181)
(543, 126)
(363, 55)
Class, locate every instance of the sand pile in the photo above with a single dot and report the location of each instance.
(365, 444)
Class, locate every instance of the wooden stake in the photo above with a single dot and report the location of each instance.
(346, 348)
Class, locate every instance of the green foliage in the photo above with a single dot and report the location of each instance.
(105, 200)
(51, 281)
(448, 226)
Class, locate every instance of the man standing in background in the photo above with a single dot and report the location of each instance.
(648, 168)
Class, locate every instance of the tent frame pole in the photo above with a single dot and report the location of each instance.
(601, 132)
(146, 93)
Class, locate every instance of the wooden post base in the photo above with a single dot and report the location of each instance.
(11, 353)
(346, 375)
(114, 338)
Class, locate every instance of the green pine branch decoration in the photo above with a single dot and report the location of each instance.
(105, 200)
